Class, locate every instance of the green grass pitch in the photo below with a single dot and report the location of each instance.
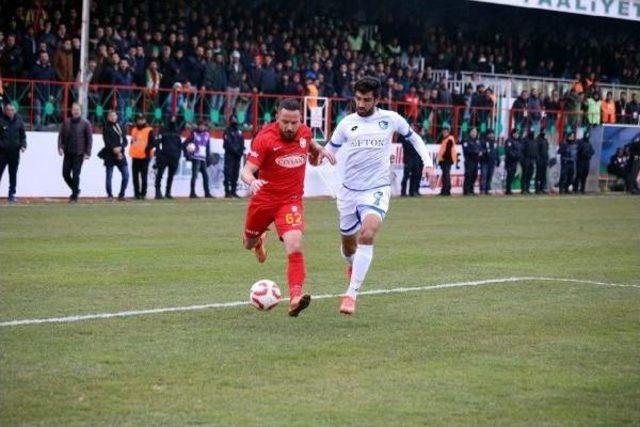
(522, 353)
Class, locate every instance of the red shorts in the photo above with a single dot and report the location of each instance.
(287, 216)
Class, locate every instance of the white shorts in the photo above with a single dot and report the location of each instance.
(353, 206)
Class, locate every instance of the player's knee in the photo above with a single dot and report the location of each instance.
(293, 246)
(292, 242)
(366, 236)
(249, 243)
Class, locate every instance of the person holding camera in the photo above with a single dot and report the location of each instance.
(197, 151)
(115, 141)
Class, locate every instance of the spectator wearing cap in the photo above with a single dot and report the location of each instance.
(140, 152)
(568, 154)
(512, 157)
(13, 141)
(489, 160)
(471, 150)
(234, 81)
(197, 150)
(542, 163)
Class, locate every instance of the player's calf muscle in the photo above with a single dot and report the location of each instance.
(349, 245)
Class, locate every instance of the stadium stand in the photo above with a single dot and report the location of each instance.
(205, 59)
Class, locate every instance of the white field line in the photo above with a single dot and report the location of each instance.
(197, 307)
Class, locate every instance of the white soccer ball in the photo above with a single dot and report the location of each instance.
(265, 294)
(191, 148)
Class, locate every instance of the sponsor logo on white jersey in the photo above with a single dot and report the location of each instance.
(291, 161)
(369, 141)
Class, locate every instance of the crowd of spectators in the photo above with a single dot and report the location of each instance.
(243, 47)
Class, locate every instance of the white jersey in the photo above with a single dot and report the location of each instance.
(366, 145)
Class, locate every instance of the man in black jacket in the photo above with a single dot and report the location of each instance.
(528, 160)
(583, 159)
(115, 141)
(233, 144)
(512, 157)
(542, 161)
(412, 169)
(74, 143)
(633, 166)
(13, 140)
(471, 150)
(489, 159)
(168, 148)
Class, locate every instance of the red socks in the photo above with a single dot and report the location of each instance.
(296, 274)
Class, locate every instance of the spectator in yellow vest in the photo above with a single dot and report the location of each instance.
(140, 151)
(594, 106)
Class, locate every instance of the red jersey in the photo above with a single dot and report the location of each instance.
(282, 163)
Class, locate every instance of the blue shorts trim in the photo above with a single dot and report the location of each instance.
(374, 208)
(408, 135)
(350, 228)
(366, 189)
(335, 145)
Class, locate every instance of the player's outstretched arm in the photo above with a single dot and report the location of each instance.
(248, 176)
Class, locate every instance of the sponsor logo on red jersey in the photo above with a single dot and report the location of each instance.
(291, 161)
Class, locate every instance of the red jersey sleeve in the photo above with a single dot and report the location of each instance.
(258, 151)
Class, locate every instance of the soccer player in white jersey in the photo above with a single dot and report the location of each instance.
(365, 141)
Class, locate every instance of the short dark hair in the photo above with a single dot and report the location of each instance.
(290, 104)
(368, 84)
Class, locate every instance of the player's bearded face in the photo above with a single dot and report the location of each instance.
(289, 122)
(365, 103)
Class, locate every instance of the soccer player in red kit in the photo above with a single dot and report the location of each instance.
(279, 155)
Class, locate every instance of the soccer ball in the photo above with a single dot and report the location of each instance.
(191, 148)
(265, 294)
